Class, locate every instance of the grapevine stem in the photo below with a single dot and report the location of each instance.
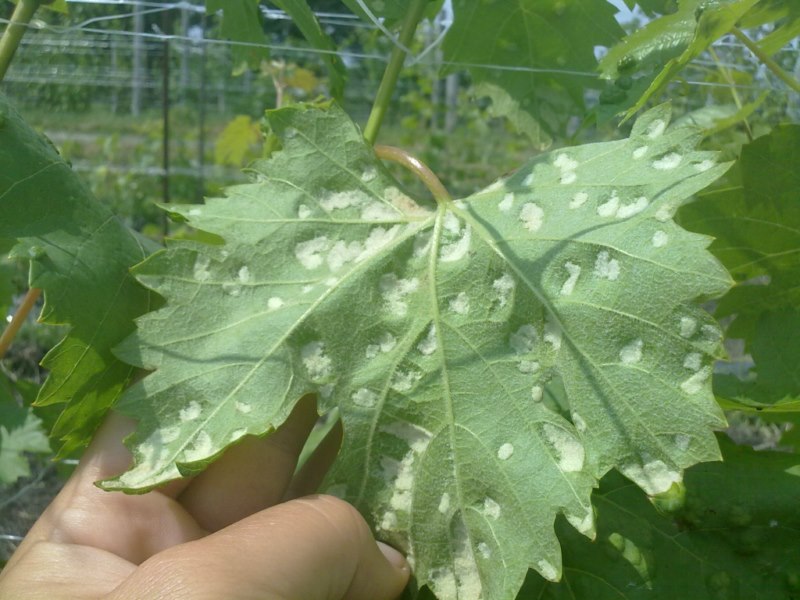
(12, 36)
(766, 59)
(10, 333)
(396, 61)
(416, 166)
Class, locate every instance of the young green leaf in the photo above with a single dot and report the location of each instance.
(730, 540)
(241, 23)
(80, 254)
(307, 23)
(538, 51)
(15, 441)
(488, 357)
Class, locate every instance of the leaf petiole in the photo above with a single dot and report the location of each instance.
(416, 166)
(765, 58)
(28, 302)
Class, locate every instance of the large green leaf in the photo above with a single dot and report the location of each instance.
(538, 51)
(241, 23)
(756, 222)
(667, 44)
(15, 441)
(736, 537)
(309, 26)
(80, 254)
(488, 357)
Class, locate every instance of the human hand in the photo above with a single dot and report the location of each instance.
(239, 530)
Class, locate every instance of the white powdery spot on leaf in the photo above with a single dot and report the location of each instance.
(484, 550)
(443, 583)
(395, 290)
(665, 212)
(631, 353)
(660, 239)
(237, 434)
(532, 216)
(528, 366)
(491, 508)
(403, 381)
(378, 238)
(384, 344)
(199, 448)
(606, 267)
(567, 166)
(468, 580)
(415, 436)
(429, 344)
(578, 421)
(704, 165)
(402, 474)
(342, 200)
(342, 253)
(569, 450)
(274, 303)
(504, 287)
(688, 327)
(364, 398)
(655, 129)
(537, 393)
(668, 162)
(584, 525)
(523, 339)
(243, 407)
(552, 333)
(569, 285)
(201, 272)
(578, 200)
(547, 570)
(244, 275)
(640, 152)
(528, 181)
(693, 361)
(633, 208)
(460, 238)
(505, 451)
(191, 412)
(378, 211)
(369, 174)
(303, 212)
(317, 364)
(654, 477)
(711, 332)
(388, 521)
(460, 304)
(682, 441)
(506, 203)
(444, 503)
(696, 382)
(194, 212)
(610, 206)
(422, 243)
(169, 434)
(309, 253)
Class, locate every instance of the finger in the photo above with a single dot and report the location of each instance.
(131, 527)
(308, 479)
(252, 475)
(314, 548)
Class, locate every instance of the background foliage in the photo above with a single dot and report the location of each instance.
(491, 89)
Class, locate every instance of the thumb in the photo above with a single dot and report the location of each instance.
(314, 548)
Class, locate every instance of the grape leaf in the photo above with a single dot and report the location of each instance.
(236, 141)
(16, 441)
(241, 23)
(729, 540)
(756, 224)
(656, 52)
(309, 26)
(487, 357)
(80, 254)
(538, 51)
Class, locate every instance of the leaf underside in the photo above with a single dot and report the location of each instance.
(487, 356)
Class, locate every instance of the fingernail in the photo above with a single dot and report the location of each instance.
(393, 556)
